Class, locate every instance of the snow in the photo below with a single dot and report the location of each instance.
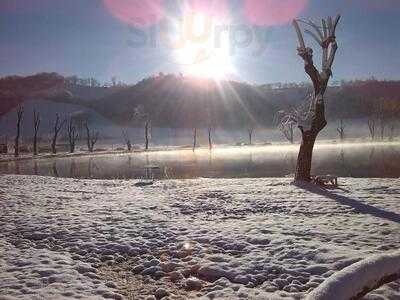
(200, 238)
(357, 278)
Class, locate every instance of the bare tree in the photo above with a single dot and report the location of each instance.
(147, 124)
(372, 127)
(127, 140)
(58, 125)
(140, 114)
(288, 131)
(91, 138)
(72, 135)
(286, 122)
(340, 130)
(315, 120)
(194, 139)
(382, 118)
(36, 125)
(383, 115)
(383, 127)
(250, 132)
(210, 143)
(20, 113)
(392, 131)
(4, 147)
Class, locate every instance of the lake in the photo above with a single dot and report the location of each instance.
(380, 160)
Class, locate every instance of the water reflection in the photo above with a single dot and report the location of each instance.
(35, 168)
(72, 168)
(54, 168)
(379, 160)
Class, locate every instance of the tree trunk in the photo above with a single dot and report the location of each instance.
(210, 145)
(53, 144)
(88, 138)
(36, 124)
(35, 150)
(303, 168)
(194, 139)
(88, 144)
(57, 128)
(146, 135)
(16, 146)
(308, 137)
(71, 147)
(19, 120)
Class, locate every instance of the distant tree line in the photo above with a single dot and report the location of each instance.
(93, 82)
(177, 101)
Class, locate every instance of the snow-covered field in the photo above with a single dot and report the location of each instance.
(211, 238)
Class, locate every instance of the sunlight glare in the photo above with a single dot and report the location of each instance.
(201, 55)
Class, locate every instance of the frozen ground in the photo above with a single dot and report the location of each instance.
(210, 238)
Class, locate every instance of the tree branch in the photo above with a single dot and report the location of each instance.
(311, 70)
(336, 22)
(332, 54)
(300, 38)
(325, 29)
(316, 28)
(315, 37)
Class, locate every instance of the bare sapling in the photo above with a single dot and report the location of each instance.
(392, 131)
(288, 131)
(36, 125)
(72, 135)
(127, 140)
(91, 138)
(250, 132)
(147, 125)
(210, 142)
(20, 113)
(58, 125)
(372, 128)
(140, 114)
(194, 139)
(340, 130)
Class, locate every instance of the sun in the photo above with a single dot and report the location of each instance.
(202, 55)
(205, 61)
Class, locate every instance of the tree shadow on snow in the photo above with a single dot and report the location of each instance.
(356, 204)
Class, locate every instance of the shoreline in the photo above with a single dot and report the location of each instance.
(7, 158)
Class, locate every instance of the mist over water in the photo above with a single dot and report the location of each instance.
(380, 160)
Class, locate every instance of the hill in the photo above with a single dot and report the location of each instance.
(186, 102)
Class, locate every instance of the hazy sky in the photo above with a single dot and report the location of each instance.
(250, 40)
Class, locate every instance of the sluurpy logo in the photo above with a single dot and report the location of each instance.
(200, 41)
(203, 34)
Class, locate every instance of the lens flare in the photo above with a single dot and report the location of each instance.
(25, 6)
(272, 12)
(136, 12)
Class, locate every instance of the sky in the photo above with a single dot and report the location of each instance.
(246, 40)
